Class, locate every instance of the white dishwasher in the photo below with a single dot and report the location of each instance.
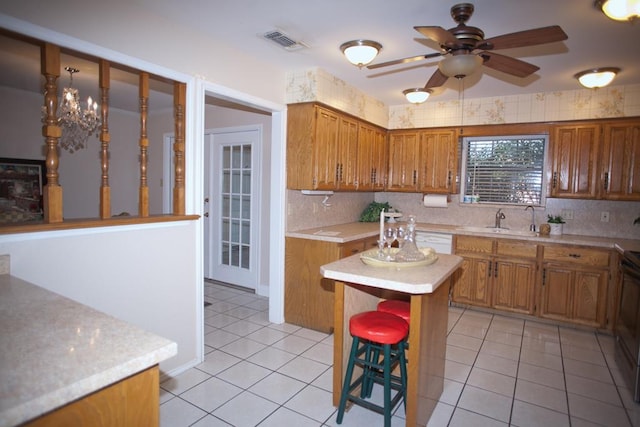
(440, 242)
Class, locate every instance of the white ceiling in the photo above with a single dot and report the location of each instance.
(594, 41)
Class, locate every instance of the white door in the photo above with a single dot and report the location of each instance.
(232, 205)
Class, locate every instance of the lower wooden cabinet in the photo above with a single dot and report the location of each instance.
(496, 273)
(575, 283)
(558, 282)
(308, 297)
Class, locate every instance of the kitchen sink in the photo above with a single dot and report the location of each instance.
(494, 230)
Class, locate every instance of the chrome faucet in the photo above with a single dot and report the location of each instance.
(499, 217)
(532, 226)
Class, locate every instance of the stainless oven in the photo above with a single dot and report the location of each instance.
(627, 328)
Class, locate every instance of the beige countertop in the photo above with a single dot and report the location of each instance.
(54, 350)
(412, 280)
(343, 233)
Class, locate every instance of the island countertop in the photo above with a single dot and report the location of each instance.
(411, 280)
(54, 350)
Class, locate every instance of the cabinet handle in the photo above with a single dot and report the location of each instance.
(337, 171)
(575, 255)
(606, 181)
(490, 262)
(415, 177)
(449, 179)
(495, 270)
(555, 179)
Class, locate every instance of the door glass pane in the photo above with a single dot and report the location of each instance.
(236, 205)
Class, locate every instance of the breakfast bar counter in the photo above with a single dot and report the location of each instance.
(63, 363)
(360, 287)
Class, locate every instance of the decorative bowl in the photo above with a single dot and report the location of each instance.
(370, 257)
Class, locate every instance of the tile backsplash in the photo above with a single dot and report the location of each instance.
(308, 212)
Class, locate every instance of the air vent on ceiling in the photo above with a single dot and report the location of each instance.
(283, 40)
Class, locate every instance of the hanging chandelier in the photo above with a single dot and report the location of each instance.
(76, 124)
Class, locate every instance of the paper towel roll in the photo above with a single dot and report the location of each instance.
(435, 200)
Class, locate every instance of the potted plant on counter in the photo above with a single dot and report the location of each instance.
(555, 222)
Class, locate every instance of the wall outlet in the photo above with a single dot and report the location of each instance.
(567, 213)
(604, 216)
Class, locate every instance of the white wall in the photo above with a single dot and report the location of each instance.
(143, 275)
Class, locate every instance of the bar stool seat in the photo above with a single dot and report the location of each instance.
(397, 307)
(376, 332)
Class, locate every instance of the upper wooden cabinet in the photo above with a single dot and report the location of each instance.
(423, 161)
(620, 161)
(438, 161)
(404, 150)
(574, 166)
(372, 158)
(328, 150)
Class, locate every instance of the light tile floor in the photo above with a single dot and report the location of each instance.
(500, 371)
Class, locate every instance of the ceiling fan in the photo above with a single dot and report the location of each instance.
(465, 48)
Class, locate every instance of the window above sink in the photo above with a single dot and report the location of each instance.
(504, 169)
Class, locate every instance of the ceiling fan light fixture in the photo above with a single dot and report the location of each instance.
(597, 77)
(360, 52)
(619, 10)
(460, 66)
(417, 95)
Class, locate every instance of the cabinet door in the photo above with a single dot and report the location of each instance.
(620, 171)
(574, 171)
(471, 283)
(403, 161)
(372, 158)
(514, 285)
(347, 164)
(326, 149)
(438, 161)
(589, 305)
(556, 293)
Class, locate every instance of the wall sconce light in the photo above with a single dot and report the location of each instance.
(417, 95)
(360, 52)
(597, 77)
(619, 10)
(460, 66)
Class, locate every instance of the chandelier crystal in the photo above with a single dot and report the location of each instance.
(76, 124)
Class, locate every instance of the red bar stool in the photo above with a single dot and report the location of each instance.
(376, 332)
(397, 307)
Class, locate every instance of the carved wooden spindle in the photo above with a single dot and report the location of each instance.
(143, 200)
(179, 101)
(50, 69)
(105, 138)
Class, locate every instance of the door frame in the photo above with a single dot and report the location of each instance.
(277, 178)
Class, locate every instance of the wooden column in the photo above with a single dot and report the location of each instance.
(105, 138)
(179, 101)
(50, 69)
(143, 197)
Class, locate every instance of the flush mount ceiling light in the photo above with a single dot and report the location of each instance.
(597, 77)
(619, 10)
(460, 66)
(360, 52)
(417, 95)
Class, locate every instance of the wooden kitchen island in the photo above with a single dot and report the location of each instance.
(360, 287)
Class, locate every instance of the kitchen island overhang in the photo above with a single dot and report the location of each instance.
(360, 287)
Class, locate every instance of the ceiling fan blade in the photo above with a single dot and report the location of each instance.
(508, 65)
(438, 34)
(437, 79)
(525, 38)
(404, 60)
